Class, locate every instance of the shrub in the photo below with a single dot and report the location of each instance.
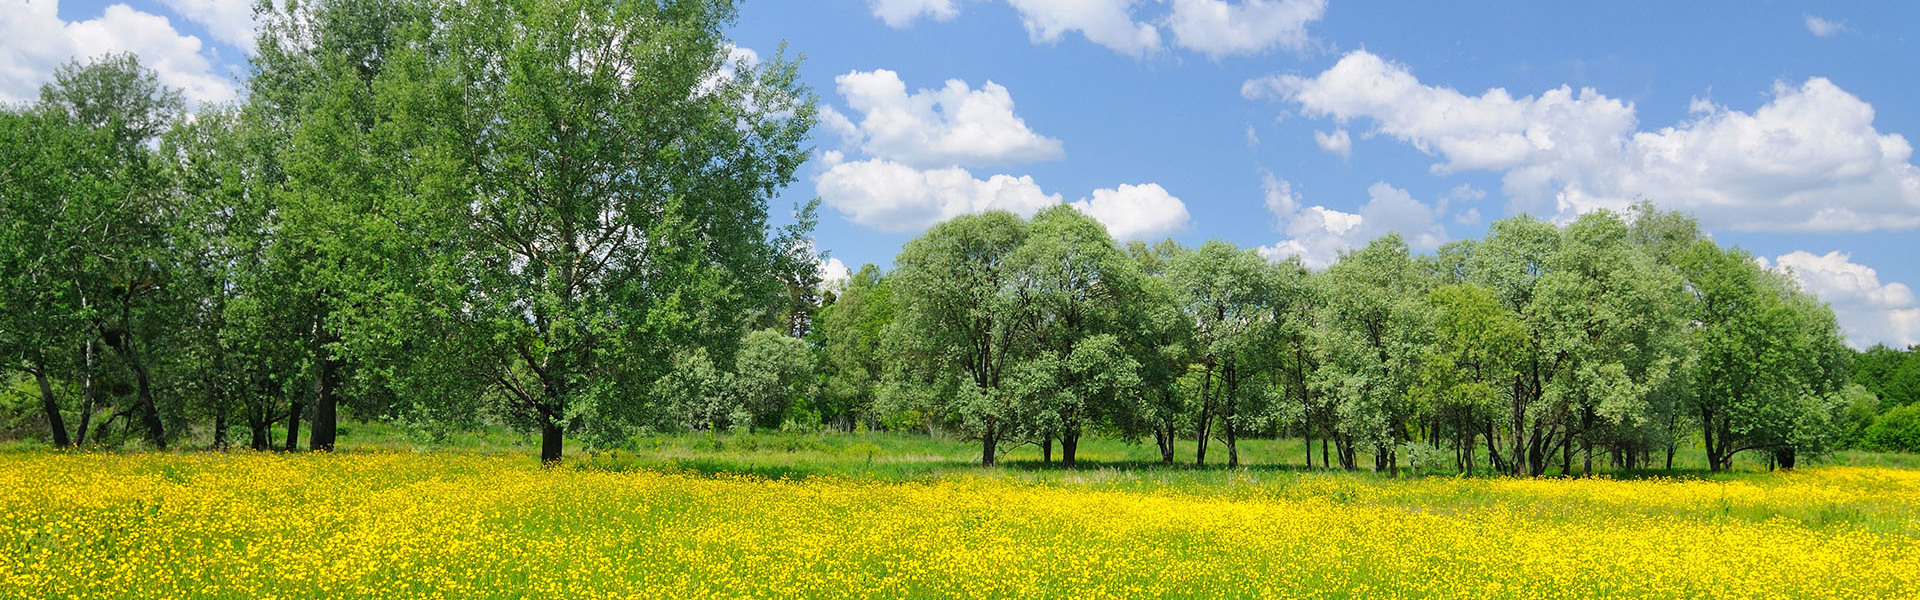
(1897, 430)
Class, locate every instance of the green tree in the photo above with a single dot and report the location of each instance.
(1237, 303)
(1073, 294)
(954, 339)
(1377, 328)
(773, 374)
(851, 332)
(1467, 370)
(594, 189)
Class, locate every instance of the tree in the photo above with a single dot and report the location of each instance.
(1611, 317)
(107, 223)
(1162, 345)
(1768, 357)
(773, 374)
(1236, 303)
(1073, 293)
(1474, 356)
(954, 337)
(593, 187)
(1511, 262)
(1377, 330)
(851, 332)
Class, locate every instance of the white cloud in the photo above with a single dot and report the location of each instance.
(38, 41)
(900, 14)
(1105, 22)
(1824, 28)
(1318, 234)
(1218, 28)
(953, 125)
(1809, 159)
(1136, 212)
(891, 196)
(1869, 311)
(834, 275)
(230, 21)
(1337, 142)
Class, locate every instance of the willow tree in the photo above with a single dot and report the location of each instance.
(589, 183)
(954, 340)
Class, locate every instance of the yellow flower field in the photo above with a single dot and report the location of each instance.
(386, 525)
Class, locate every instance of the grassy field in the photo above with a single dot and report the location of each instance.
(901, 516)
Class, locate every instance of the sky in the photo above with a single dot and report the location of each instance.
(1299, 127)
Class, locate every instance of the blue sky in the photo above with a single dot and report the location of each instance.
(1299, 126)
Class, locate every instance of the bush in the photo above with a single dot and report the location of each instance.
(1897, 430)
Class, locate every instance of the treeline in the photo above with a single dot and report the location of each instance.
(528, 213)
(553, 216)
(1621, 336)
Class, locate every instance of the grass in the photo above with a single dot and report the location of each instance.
(897, 515)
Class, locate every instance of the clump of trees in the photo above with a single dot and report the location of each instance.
(554, 215)
(438, 214)
(1617, 337)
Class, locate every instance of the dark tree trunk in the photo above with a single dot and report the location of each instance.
(149, 413)
(326, 403)
(1785, 457)
(1233, 442)
(1306, 443)
(52, 408)
(257, 421)
(1046, 448)
(293, 425)
(1493, 451)
(988, 445)
(552, 439)
(1323, 452)
(1161, 437)
(1069, 446)
(220, 441)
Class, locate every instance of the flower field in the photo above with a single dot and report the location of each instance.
(459, 525)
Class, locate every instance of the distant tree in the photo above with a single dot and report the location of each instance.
(1377, 327)
(773, 374)
(1236, 302)
(1073, 294)
(1163, 346)
(954, 339)
(1770, 358)
(1474, 357)
(850, 333)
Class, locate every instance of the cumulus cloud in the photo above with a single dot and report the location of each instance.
(38, 41)
(1824, 28)
(900, 14)
(891, 196)
(1136, 212)
(953, 125)
(1869, 311)
(1337, 142)
(1318, 234)
(834, 275)
(230, 21)
(1218, 28)
(1809, 159)
(1105, 22)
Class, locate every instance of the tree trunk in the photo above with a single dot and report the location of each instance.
(987, 445)
(1785, 457)
(1046, 448)
(1201, 426)
(326, 403)
(257, 420)
(293, 424)
(1160, 437)
(220, 428)
(87, 396)
(1069, 446)
(149, 413)
(1306, 443)
(52, 408)
(551, 441)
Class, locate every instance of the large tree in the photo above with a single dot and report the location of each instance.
(955, 337)
(591, 183)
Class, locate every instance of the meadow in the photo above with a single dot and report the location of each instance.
(884, 516)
